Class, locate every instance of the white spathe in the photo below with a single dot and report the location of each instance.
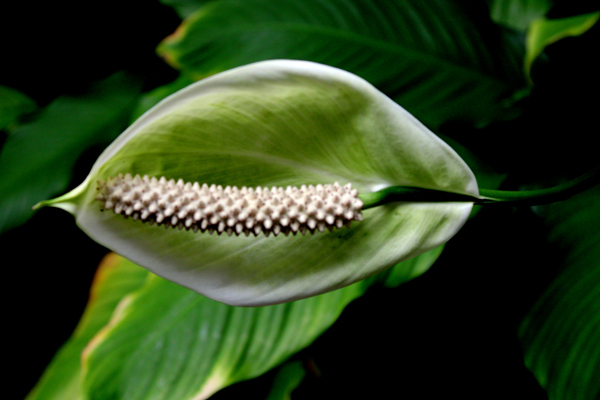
(279, 123)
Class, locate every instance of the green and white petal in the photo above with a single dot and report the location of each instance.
(279, 123)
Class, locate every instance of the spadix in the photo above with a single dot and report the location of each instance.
(273, 124)
(231, 210)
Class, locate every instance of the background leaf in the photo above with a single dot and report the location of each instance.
(150, 99)
(169, 342)
(287, 379)
(561, 333)
(432, 57)
(152, 333)
(115, 278)
(37, 159)
(544, 32)
(412, 268)
(185, 8)
(12, 105)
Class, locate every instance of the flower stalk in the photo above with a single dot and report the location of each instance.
(487, 196)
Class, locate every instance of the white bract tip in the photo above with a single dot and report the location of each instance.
(231, 210)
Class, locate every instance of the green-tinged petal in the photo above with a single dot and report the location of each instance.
(167, 342)
(115, 278)
(279, 123)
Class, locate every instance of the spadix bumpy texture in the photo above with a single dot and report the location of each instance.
(274, 124)
(231, 210)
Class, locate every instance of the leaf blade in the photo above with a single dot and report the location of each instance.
(37, 159)
(390, 44)
(560, 333)
(114, 279)
(13, 104)
(149, 351)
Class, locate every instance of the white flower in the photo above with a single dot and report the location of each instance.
(277, 123)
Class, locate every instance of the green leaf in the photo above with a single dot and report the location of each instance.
(518, 14)
(115, 278)
(561, 333)
(543, 32)
(287, 379)
(166, 341)
(13, 104)
(37, 159)
(429, 56)
(185, 8)
(279, 123)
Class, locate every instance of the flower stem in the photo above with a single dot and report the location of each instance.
(487, 196)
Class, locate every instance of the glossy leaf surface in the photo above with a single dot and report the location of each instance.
(279, 123)
(429, 56)
(169, 342)
(118, 278)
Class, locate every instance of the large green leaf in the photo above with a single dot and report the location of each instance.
(430, 56)
(118, 278)
(279, 123)
(37, 159)
(171, 343)
(12, 105)
(561, 333)
(167, 342)
(115, 278)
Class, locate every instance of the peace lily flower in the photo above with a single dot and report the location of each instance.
(270, 124)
